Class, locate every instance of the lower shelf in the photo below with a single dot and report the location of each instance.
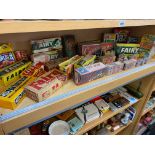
(106, 116)
(120, 129)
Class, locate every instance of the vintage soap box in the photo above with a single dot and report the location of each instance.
(45, 85)
(67, 66)
(14, 94)
(12, 73)
(45, 45)
(89, 73)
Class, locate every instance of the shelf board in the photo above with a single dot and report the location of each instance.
(106, 116)
(69, 96)
(19, 26)
(147, 110)
(120, 129)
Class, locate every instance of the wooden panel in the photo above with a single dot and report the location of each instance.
(37, 26)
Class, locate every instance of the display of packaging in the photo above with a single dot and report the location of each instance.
(126, 95)
(89, 73)
(66, 115)
(133, 40)
(40, 57)
(132, 112)
(121, 35)
(53, 64)
(45, 85)
(114, 68)
(45, 45)
(6, 59)
(55, 54)
(35, 70)
(102, 105)
(12, 73)
(107, 59)
(85, 61)
(128, 64)
(127, 51)
(14, 94)
(69, 45)
(75, 124)
(4, 48)
(109, 37)
(88, 113)
(20, 55)
(67, 67)
(147, 41)
(91, 49)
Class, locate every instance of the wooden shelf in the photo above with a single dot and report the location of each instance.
(19, 26)
(120, 129)
(69, 96)
(147, 110)
(106, 116)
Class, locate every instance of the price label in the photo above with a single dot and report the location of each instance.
(121, 23)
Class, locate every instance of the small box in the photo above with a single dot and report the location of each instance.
(85, 61)
(40, 57)
(53, 64)
(88, 113)
(14, 94)
(128, 64)
(7, 59)
(34, 71)
(45, 85)
(109, 37)
(75, 124)
(102, 105)
(89, 73)
(67, 67)
(115, 67)
(12, 73)
(45, 45)
(21, 55)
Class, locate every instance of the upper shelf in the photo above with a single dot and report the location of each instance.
(67, 97)
(19, 26)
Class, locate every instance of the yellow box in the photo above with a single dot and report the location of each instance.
(15, 93)
(12, 72)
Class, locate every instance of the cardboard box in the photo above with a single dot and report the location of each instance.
(45, 85)
(12, 73)
(14, 94)
(89, 73)
(45, 45)
(68, 66)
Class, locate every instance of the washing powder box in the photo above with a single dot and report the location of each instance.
(14, 94)
(45, 85)
(88, 113)
(45, 45)
(89, 73)
(12, 73)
